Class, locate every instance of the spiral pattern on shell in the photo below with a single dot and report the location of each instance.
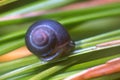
(48, 40)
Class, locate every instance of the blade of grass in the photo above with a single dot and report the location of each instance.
(91, 16)
(9, 29)
(17, 63)
(98, 42)
(52, 70)
(84, 11)
(4, 2)
(77, 67)
(89, 64)
(94, 27)
(63, 75)
(12, 36)
(107, 68)
(22, 77)
(11, 45)
(38, 5)
(100, 37)
(22, 70)
(82, 66)
(72, 61)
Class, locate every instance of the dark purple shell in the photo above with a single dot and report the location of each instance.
(48, 40)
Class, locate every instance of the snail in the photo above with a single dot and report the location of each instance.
(48, 40)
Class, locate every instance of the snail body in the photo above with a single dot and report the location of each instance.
(48, 40)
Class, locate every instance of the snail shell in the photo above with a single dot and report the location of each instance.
(48, 40)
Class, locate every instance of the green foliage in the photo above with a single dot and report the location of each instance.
(87, 26)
